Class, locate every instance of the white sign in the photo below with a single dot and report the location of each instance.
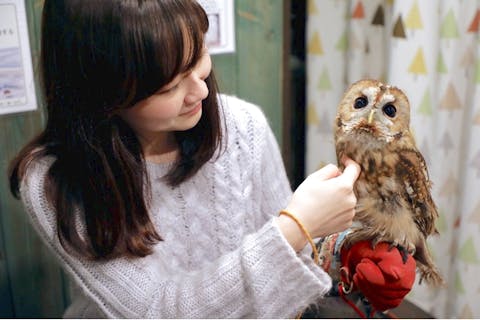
(17, 88)
(221, 33)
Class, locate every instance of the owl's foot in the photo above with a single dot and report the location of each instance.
(403, 252)
(404, 247)
(353, 238)
(380, 237)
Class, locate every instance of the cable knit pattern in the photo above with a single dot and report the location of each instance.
(223, 256)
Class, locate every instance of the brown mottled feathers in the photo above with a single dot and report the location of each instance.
(393, 189)
(413, 170)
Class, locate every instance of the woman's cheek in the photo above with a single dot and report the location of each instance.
(160, 109)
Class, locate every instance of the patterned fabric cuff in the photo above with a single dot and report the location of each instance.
(329, 252)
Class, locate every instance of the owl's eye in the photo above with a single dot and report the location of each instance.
(389, 110)
(360, 102)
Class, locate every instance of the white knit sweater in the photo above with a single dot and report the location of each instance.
(223, 256)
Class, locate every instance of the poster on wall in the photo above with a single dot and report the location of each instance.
(17, 88)
(221, 32)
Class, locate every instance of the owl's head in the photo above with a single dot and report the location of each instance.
(373, 108)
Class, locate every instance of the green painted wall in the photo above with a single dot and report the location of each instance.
(31, 283)
(256, 71)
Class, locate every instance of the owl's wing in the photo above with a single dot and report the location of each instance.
(412, 170)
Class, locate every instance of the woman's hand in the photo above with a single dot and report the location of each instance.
(324, 203)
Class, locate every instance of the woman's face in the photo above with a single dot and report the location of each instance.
(175, 107)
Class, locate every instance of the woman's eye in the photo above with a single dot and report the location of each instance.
(168, 90)
(389, 110)
(172, 88)
(360, 102)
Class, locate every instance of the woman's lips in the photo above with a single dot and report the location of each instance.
(194, 110)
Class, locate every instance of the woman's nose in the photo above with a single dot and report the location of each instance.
(198, 89)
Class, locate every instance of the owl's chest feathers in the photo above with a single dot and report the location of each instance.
(381, 203)
(378, 187)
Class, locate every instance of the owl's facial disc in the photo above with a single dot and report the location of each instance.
(374, 111)
(376, 98)
(371, 93)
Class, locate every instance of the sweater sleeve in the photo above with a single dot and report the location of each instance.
(276, 190)
(275, 187)
(262, 278)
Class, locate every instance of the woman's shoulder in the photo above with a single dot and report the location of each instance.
(39, 165)
(33, 180)
(35, 197)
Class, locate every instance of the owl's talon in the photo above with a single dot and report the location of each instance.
(404, 252)
(394, 244)
(410, 248)
(375, 242)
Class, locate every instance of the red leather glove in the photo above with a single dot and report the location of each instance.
(380, 273)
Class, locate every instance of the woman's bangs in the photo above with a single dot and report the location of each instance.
(194, 26)
(163, 48)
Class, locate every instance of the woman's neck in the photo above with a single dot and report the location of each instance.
(160, 148)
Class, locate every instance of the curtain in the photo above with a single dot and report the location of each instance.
(429, 49)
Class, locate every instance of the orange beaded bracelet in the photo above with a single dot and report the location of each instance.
(305, 232)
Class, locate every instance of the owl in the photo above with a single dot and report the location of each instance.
(394, 203)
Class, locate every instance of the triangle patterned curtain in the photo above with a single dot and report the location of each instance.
(429, 49)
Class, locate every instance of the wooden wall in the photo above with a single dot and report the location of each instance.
(256, 71)
(31, 283)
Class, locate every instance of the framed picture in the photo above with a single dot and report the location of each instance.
(221, 18)
(17, 87)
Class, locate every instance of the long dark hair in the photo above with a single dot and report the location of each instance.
(96, 58)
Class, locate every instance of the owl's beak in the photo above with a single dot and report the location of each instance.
(370, 116)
